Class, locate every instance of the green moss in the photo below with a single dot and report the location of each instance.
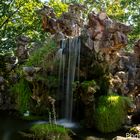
(49, 131)
(110, 113)
(22, 93)
(86, 84)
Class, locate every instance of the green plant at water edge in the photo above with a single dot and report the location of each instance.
(22, 93)
(111, 113)
(49, 131)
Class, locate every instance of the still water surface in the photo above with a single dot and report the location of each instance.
(11, 125)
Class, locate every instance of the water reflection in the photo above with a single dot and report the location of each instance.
(93, 134)
(10, 125)
(6, 135)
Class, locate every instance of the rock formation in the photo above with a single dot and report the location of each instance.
(102, 59)
(68, 24)
(102, 55)
(22, 51)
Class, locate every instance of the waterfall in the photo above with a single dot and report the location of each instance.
(68, 69)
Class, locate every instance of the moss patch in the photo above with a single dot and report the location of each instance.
(49, 131)
(110, 113)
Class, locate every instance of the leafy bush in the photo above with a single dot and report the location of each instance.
(49, 131)
(111, 113)
(86, 84)
(59, 7)
(22, 93)
(43, 55)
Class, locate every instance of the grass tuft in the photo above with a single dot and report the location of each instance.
(22, 92)
(49, 131)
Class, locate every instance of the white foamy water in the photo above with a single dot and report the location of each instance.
(67, 123)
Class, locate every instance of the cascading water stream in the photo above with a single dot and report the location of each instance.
(68, 69)
(72, 61)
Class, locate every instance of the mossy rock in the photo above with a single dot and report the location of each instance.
(50, 132)
(111, 113)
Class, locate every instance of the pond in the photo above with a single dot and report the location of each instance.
(11, 125)
(82, 134)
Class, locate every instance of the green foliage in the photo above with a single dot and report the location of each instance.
(45, 81)
(59, 7)
(72, 1)
(86, 84)
(49, 131)
(22, 93)
(43, 55)
(111, 113)
(18, 17)
(52, 82)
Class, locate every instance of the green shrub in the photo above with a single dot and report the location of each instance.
(22, 93)
(42, 56)
(49, 131)
(58, 6)
(86, 84)
(111, 113)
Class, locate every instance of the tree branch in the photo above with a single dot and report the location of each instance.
(6, 21)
